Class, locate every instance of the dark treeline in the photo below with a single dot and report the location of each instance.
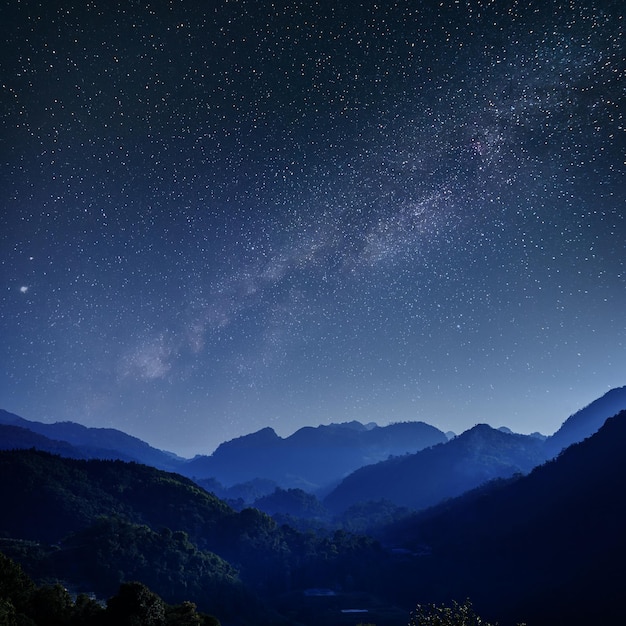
(97, 524)
(22, 603)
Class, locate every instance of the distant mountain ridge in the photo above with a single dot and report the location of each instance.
(318, 459)
(18, 438)
(476, 456)
(311, 458)
(85, 442)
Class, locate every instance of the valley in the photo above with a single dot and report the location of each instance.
(488, 514)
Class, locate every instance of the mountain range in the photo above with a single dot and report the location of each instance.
(411, 464)
(542, 542)
(542, 545)
(476, 456)
(420, 480)
(311, 458)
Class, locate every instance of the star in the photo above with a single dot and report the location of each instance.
(244, 215)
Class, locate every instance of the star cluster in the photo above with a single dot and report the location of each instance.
(219, 216)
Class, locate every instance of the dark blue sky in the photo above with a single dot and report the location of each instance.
(218, 216)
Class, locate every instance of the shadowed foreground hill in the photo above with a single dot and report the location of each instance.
(98, 523)
(52, 496)
(548, 548)
(23, 603)
(111, 521)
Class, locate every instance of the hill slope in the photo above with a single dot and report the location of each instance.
(18, 438)
(422, 479)
(101, 522)
(478, 455)
(53, 496)
(104, 443)
(587, 421)
(547, 548)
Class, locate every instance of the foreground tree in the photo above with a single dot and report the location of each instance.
(22, 603)
(442, 615)
(136, 605)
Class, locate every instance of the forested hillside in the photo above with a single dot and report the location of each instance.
(547, 548)
(96, 524)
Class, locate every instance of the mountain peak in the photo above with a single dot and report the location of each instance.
(312, 457)
(483, 430)
(265, 436)
(353, 425)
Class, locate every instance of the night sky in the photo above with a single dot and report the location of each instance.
(224, 215)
